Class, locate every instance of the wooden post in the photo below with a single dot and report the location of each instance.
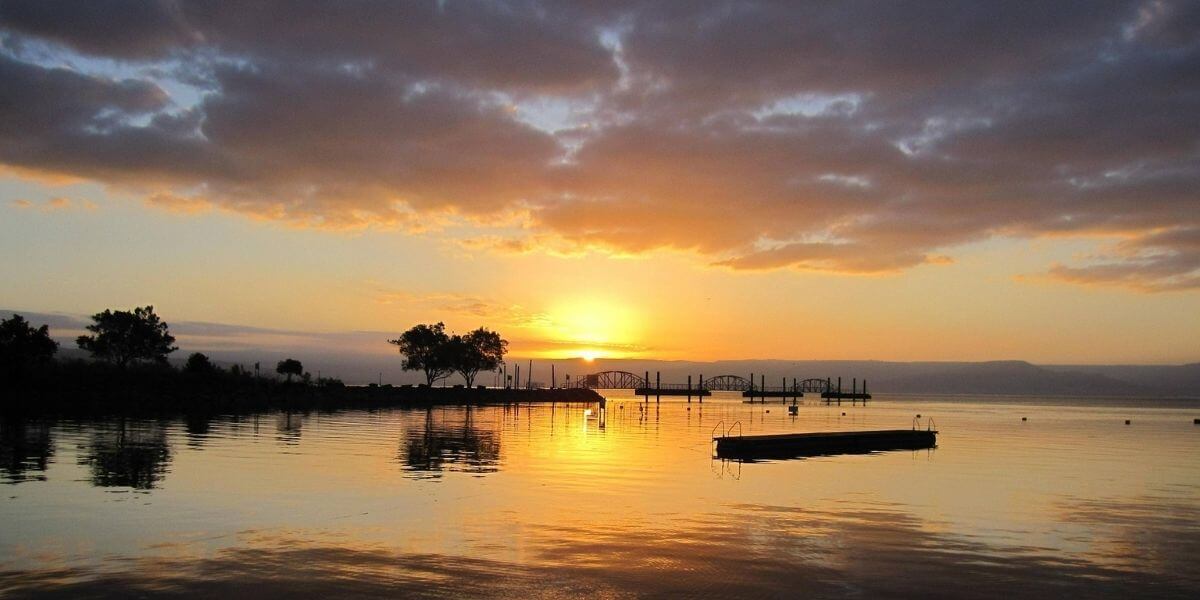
(762, 380)
(839, 392)
(529, 376)
(658, 386)
(553, 379)
(702, 386)
(689, 389)
(646, 389)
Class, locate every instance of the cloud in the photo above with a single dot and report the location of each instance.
(1167, 260)
(492, 313)
(56, 204)
(179, 204)
(852, 137)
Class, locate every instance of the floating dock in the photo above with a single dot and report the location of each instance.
(772, 394)
(846, 396)
(789, 445)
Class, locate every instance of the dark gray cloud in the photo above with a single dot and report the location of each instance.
(515, 44)
(120, 28)
(849, 137)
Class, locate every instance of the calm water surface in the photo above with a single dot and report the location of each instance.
(561, 501)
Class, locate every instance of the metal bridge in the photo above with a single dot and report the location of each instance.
(611, 380)
(621, 380)
(644, 386)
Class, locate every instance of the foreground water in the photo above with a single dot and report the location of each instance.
(560, 501)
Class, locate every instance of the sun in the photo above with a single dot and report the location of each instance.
(589, 328)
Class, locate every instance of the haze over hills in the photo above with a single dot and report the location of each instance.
(362, 357)
(994, 377)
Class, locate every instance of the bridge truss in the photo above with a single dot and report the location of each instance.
(624, 380)
(611, 380)
(726, 383)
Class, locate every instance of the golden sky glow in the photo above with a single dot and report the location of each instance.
(703, 184)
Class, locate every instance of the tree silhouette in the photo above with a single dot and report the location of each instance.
(123, 336)
(198, 363)
(289, 367)
(21, 345)
(425, 348)
(479, 350)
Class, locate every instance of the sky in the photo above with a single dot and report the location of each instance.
(677, 180)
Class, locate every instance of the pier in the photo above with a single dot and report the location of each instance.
(791, 445)
(643, 386)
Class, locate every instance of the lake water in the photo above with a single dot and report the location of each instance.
(563, 501)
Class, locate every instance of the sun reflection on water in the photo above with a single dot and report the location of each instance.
(621, 499)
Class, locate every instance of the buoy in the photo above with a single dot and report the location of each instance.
(768, 410)
(843, 414)
(1195, 421)
(918, 415)
(1126, 421)
(1024, 418)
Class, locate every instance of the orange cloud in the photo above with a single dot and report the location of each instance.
(56, 204)
(776, 136)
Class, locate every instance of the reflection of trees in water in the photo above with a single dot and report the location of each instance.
(125, 454)
(197, 427)
(287, 427)
(440, 446)
(25, 450)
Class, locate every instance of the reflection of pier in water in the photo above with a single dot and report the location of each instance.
(644, 386)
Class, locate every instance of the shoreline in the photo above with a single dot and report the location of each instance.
(203, 397)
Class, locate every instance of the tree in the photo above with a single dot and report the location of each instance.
(198, 363)
(21, 345)
(289, 367)
(479, 350)
(425, 349)
(122, 337)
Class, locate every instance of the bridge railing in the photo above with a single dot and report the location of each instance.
(808, 386)
(673, 386)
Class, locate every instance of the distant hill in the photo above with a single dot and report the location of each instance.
(1012, 377)
(994, 377)
(1176, 380)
